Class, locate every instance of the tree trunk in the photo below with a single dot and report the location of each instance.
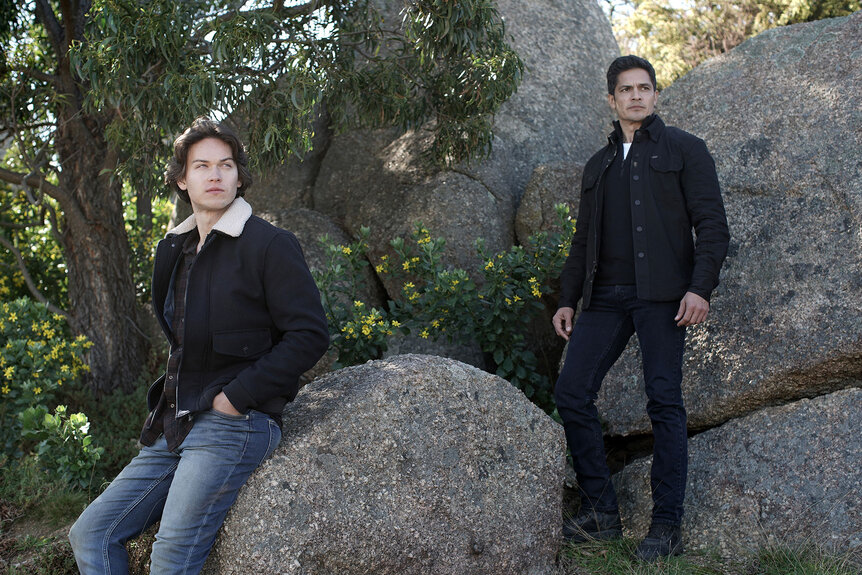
(101, 290)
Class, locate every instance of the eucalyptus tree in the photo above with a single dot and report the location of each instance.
(93, 92)
(677, 35)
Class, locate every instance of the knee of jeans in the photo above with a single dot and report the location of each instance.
(77, 536)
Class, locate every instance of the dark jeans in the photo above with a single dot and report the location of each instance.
(598, 338)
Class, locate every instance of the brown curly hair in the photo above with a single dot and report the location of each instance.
(201, 129)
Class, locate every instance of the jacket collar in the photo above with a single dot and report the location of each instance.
(231, 222)
(652, 125)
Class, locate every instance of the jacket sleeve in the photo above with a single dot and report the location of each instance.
(293, 301)
(706, 210)
(575, 269)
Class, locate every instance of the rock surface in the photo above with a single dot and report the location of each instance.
(382, 180)
(786, 321)
(550, 185)
(785, 474)
(415, 464)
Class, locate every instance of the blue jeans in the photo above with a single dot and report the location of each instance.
(599, 336)
(189, 490)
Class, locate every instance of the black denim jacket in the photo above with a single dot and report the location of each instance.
(674, 189)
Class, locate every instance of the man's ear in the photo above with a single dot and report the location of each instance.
(611, 101)
(181, 184)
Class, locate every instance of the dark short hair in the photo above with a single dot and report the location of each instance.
(201, 129)
(629, 62)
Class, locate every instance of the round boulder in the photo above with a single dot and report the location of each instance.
(416, 464)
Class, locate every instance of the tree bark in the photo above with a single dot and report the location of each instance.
(101, 290)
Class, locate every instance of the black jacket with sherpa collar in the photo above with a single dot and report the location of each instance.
(673, 188)
(253, 318)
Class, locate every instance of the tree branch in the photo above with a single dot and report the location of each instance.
(45, 14)
(32, 180)
(28, 279)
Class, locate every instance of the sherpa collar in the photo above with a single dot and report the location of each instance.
(231, 222)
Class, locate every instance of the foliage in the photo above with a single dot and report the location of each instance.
(63, 445)
(92, 94)
(357, 331)
(675, 36)
(492, 306)
(37, 357)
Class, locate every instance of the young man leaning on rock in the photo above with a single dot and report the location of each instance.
(637, 269)
(240, 309)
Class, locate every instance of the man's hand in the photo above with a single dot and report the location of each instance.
(563, 322)
(223, 405)
(693, 309)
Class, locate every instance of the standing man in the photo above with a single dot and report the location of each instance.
(238, 305)
(635, 265)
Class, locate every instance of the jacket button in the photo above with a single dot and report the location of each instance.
(245, 349)
(639, 228)
(636, 177)
(637, 202)
(641, 254)
(172, 406)
(171, 377)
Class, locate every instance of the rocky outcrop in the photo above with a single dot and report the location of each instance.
(550, 185)
(781, 116)
(784, 475)
(415, 464)
(382, 180)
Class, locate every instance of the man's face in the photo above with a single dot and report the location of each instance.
(634, 97)
(211, 178)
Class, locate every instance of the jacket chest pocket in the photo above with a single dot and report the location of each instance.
(242, 343)
(665, 175)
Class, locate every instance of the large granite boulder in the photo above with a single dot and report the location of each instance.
(416, 464)
(785, 474)
(550, 185)
(383, 180)
(781, 115)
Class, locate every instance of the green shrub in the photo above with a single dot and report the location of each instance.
(37, 358)
(436, 301)
(62, 444)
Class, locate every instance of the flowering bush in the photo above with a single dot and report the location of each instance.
(37, 357)
(63, 447)
(36, 354)
(435, 301)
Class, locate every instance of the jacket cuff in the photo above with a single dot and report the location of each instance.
(239, 398)
(705, 294)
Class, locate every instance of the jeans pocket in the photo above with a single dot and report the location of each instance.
(228, 416)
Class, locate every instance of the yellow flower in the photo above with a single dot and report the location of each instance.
(13, 317)
(396, 323)
(489, 265)
(366, 330)
(37, 390)
(379, 269)
(435, 323)
(5, 389)
(409, 286)
(346, 250)
(357, 303)
(383, 258)
(536, 291)
(9, 372)
(516, 297)
(508, 301)
(424, 334)
(406, 266)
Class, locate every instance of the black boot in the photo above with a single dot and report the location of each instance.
(663, 540)
(592, 526)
